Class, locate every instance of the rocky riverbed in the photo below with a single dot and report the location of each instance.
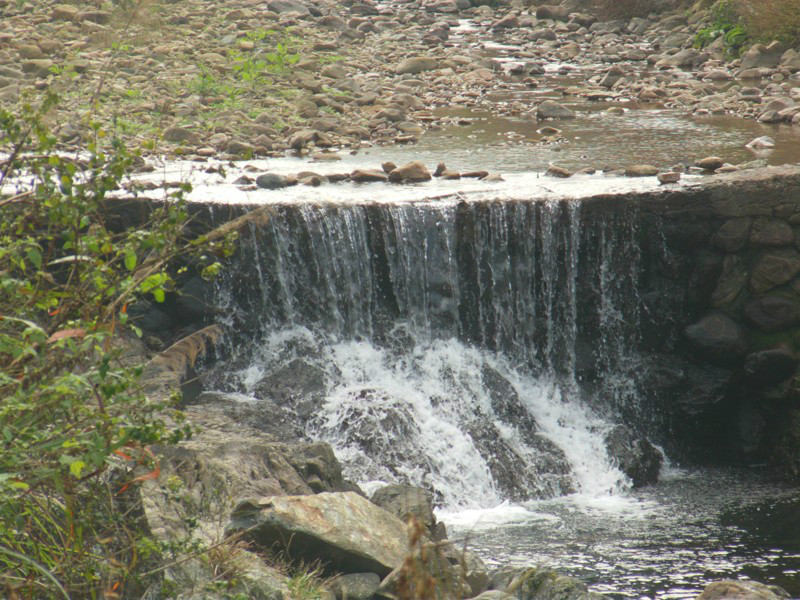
(245, 78)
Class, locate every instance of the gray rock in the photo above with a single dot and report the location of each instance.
(774, 269)
(64, 12)
(729, 589)
(240, 148)
(612, 76)
(731, 282)
(760, 56)
(355, 586)
(428, 562)
(417, 64)
(538, 583)
(181, 135)
(494, 595)
(406, 501)
(552, 12)
(271, 181)
(771, 232)
(733, 234)
(553, 110)
(717, 338)
(38, 66)
(288, 6)
(770, 367)
(635, 457)
(687, 58)
(761, 143)
(343, 531)
(773, 313)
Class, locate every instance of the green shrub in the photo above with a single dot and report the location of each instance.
(726, 22)
(73, 421)
(770, 20)
(622, 9)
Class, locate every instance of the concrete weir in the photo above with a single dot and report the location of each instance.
(677, 311)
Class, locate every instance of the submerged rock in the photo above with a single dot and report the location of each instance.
(729, 589)
(636, 457)
(538, 583)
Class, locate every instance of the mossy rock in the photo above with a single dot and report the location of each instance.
(544, 584)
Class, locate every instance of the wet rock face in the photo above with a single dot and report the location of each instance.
(635, 457)
(717, 338)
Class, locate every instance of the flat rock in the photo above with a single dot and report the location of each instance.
(368, 176)
(669, 177)
(288, 6)
(343, 531)
(641, 171)
(65, 12)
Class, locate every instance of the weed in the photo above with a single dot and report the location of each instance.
(726, 24)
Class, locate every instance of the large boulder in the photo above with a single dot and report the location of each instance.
(729, 589)
(761, 56)
(636, 457)
(555, 13)
(429, 571)
(413, 172)
(344, 532)
(717, 338)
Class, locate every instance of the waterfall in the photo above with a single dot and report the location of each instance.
(479, 349)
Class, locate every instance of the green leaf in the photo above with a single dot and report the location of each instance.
(76, 467)
(158, 294)
(35, 257)
(130, 260)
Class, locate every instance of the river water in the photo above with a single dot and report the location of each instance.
(665, 541)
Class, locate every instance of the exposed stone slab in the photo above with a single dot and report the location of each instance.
(344, 531)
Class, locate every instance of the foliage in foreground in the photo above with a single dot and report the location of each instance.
(75, 427)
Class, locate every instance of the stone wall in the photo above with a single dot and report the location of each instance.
(721, 291)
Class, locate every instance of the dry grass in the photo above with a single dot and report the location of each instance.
(768, 20)
(621, 9)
